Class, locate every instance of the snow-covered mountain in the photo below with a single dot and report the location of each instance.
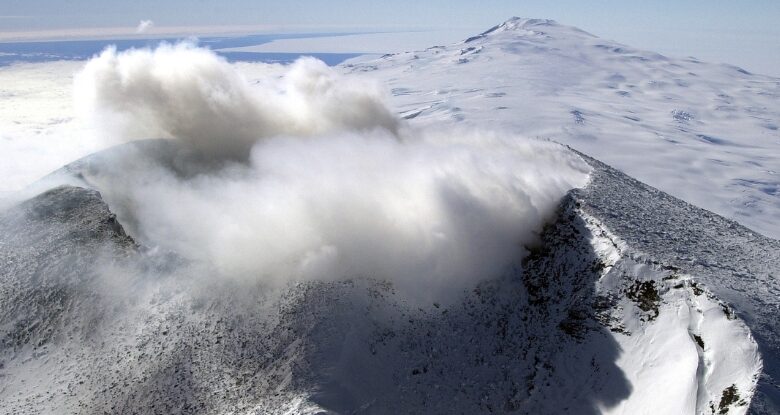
(627, 301)
(668, 309)
(705, 133)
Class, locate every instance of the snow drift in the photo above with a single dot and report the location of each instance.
(311, 176)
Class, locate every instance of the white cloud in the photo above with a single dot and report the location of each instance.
(144, 26)
(39, 129)
(191, 94)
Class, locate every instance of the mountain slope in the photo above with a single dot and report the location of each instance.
(630, 301)
(705, 133)
(607, 309)
(733, 264)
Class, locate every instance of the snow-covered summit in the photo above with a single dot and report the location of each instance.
(515, 22)
(706, 133)
(520, 23)
(525, 26)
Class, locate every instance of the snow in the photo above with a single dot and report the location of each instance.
(140, 328)
(719, 260)
(631, 301)
(708, 134)
(705, 133)
(660, 355)
(38, 124)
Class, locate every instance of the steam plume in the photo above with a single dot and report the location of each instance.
(326, 189)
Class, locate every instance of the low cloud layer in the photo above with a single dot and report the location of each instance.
(318, 179)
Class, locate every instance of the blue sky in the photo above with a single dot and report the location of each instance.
(743, 32)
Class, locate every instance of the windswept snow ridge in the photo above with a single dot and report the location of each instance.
(728, 263)
(662, 318)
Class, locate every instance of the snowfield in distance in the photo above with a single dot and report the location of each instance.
(705, 133)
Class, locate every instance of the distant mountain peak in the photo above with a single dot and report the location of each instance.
(515, 23)
(520, 23)
(523, 25)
